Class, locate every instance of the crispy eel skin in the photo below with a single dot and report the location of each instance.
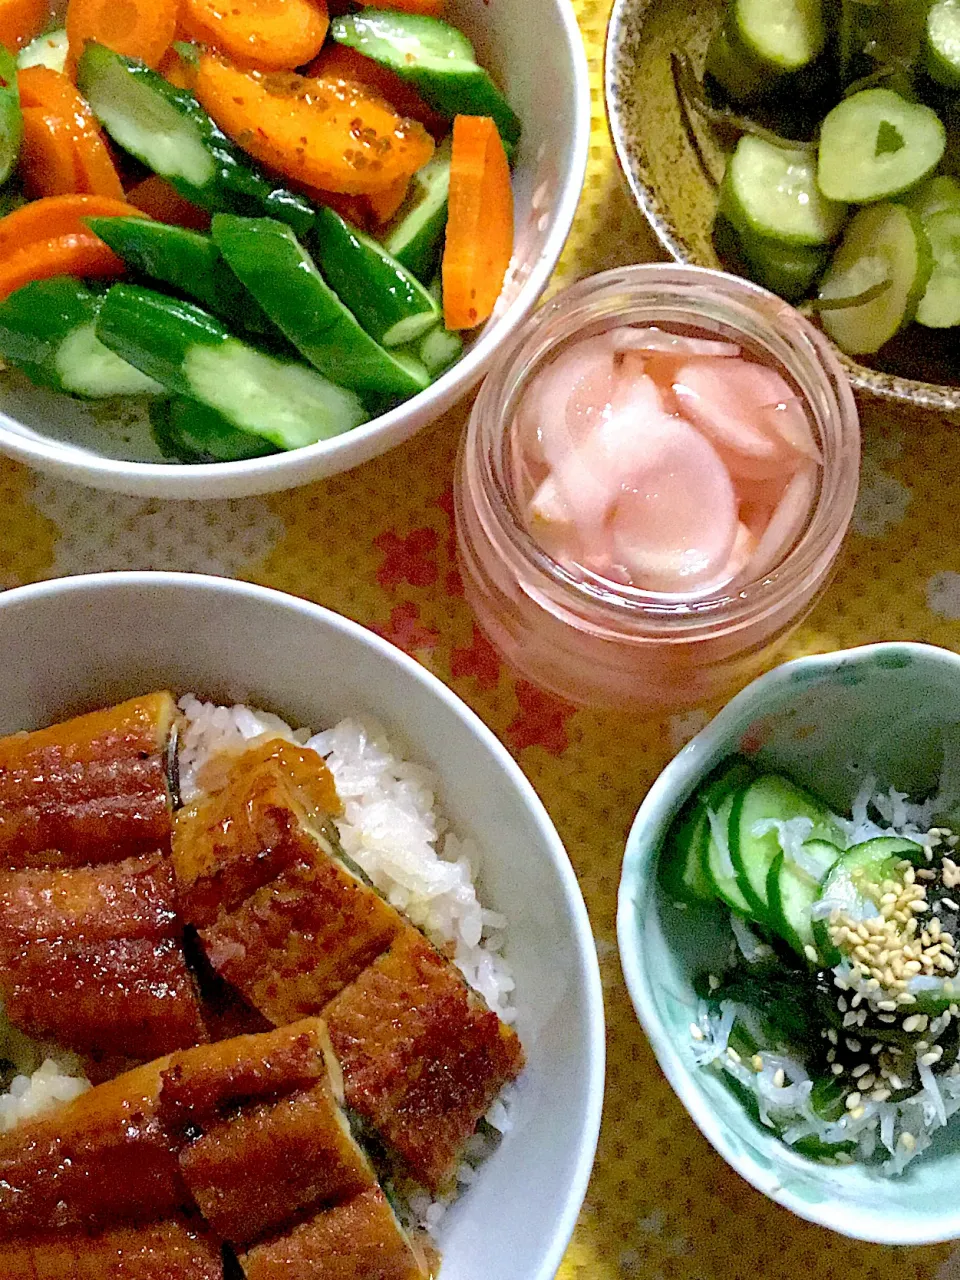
(91, 957)
(93, 789)
(280, 914)
(174, 1249)
(422, 1056)
(358, 1239)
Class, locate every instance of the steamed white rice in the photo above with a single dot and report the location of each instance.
(393, 828)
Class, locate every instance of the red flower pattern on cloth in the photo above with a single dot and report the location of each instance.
(410, 559)
(453, 583)
(542, 721)
(406, 631)
(478, 659)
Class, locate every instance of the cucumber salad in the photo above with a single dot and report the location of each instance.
(841, 192)
(270, 227)
(836, 1022)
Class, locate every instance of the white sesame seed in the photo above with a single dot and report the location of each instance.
(853, 1101)
(831, 1055)
(867, 1082)
(908, 1141)
(811, 953)
(756, 1062)
(733, 1055)
(779, 1078)
(880, 1095)
(841, 1004)
(837, 1069)
(713, 982)
(856, 1000)
(857, 1113)
(912, 1023)
(860, 1070)
(831, 1035)
(695, 1031)
(849, 1018)
(949, 902)
(888, 1006)
(928, 1059)
(886, 1017)
(876, 1047)
(895, 1080)
(853, 1045)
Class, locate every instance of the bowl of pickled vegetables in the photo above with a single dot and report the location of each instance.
(789, 928)
(242, 249)
(815, 149)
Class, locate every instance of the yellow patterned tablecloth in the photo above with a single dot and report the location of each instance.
(377, 546)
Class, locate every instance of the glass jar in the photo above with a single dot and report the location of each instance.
(598, 643)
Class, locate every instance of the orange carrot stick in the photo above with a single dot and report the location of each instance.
(55, 217)
(143, 29)
(47, 162)
(277, 35)
(479, 242)
(22, 21)
(432, 8)
(70, 255)
(54, 94)
(325, 133)
(178, 71)
(157, 198)
(338, 61)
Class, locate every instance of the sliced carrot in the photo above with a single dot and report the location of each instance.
(176, 70)
(325, 133)
(384, 204)
(157, 198)
(432, 8)
(47, 164)
(277, 35)
(56, 217)
(143, 29)
(340, 62)
(53, 93)
(71, 255)
(22, 21)
(479, 242)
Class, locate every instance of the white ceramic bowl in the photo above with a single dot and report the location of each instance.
(885, 708)
(76, 643)
(536, 51)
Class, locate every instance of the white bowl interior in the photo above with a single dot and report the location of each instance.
(71, 645)
(536, 52)
(824, 721)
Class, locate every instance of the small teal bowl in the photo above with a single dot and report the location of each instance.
(824, 721)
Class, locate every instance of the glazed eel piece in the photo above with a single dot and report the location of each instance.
(93, 789)
(288, 920)
(174, 1249)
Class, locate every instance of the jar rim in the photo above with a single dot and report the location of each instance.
(715, 302)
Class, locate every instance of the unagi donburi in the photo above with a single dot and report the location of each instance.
(236, 1033)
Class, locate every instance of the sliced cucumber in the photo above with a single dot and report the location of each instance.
(875, 144)
(389, 301)
(271, 262)
(188, 262)
(942, 43)
(683, 864)
(872, 862)
(47, 330)
(11, 118)
(433, 56)
(784, 35)
(440, 349)
(742, 77)
(940, 305)
(193, 355)
(770, 798)
(789, 270)
(883, 243)
(46, 51)
(187, 431)
(415, 234)
(936, 195)
(792, 890)
(166, 129)
(772, 192)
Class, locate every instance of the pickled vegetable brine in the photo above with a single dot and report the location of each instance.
(664, 462)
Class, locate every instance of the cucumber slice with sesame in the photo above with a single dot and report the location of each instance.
(883, 243)
(753, 850)
(875, 144)
(942, 43)
(770, 191)
(683, 866)
(792, 890)
(49, 51)
(851, 881)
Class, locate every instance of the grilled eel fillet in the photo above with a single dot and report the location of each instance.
(91, 957)
(93, 789)
(284, 917)
(175, 1249)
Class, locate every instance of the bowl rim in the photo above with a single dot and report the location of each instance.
(940, 397)
(371, 439)
(100, 584)
(673, 785)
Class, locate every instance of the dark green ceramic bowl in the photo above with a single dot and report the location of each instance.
(672, 162)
